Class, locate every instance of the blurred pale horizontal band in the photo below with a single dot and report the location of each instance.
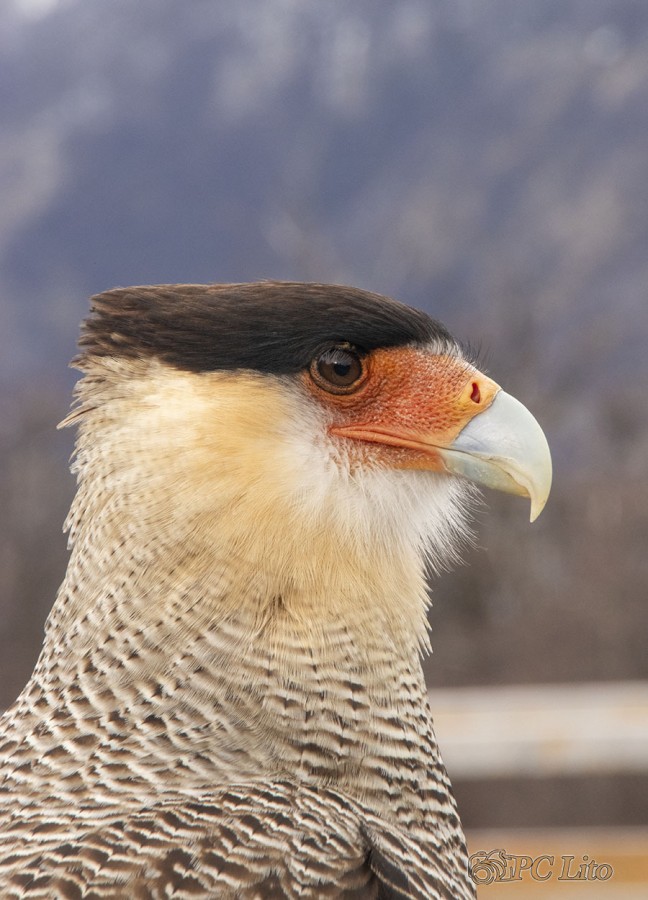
(543, 730)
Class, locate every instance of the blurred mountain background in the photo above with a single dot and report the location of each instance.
(487, 162)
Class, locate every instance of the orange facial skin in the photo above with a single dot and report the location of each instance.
(409, 404)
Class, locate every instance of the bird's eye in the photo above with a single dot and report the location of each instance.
(338, 370)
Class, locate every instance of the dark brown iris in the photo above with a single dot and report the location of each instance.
(339, 369)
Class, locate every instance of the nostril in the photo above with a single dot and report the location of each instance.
(476, 393)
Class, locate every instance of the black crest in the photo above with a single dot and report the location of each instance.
(271, 326)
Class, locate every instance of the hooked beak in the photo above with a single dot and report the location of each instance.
(503, 448)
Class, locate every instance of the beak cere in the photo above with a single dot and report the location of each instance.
(442, 414)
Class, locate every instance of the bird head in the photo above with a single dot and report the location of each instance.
(322, 437)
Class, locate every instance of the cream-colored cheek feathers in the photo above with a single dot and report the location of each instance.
(234, 477)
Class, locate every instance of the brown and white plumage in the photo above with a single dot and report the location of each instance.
(229, 701)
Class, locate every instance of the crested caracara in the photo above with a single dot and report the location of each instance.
(229, 702)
